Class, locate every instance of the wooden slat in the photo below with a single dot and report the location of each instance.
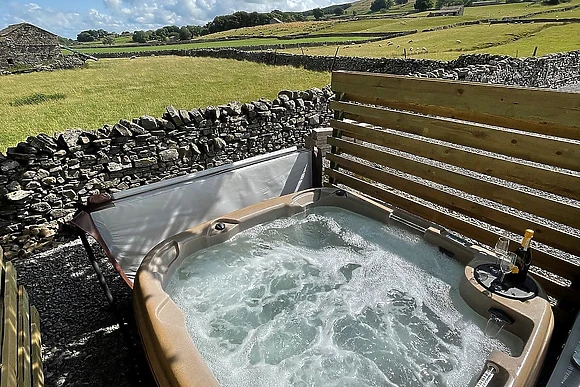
(564, 184)
(36, 348)
(543, 207)
(10, 341)
(565, 295)
(543, 234)
(563, 154)
(464, 228)
(532, 110)
(24, 366)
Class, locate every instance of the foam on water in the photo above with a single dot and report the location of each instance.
(331, 298)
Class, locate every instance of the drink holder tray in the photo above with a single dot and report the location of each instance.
(487, 273)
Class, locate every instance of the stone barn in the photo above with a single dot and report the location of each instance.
(27, 45)
(455, 10)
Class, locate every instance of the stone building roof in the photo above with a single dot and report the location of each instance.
(13, 27)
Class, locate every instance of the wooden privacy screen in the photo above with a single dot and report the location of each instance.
(20, 349)
(438, 156)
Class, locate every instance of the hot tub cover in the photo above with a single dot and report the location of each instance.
(135, 220)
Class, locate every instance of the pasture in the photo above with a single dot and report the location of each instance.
(508, 10)
(389, 25)
(274, 29)
(105, 91)
(362, 7)
(221, 44)
(447, 44)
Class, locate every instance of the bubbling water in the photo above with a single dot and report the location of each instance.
(331, 298)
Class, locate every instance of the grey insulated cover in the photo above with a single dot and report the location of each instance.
(144, 216)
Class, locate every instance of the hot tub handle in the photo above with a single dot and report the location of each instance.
(485, 379)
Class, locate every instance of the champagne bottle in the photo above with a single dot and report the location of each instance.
(524, 258)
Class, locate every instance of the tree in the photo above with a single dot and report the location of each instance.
(423, 5)
(317, 13)
(377, 5)
(84, 36)
(140, 36)
(65, 41)
(108, 40)
(195, 30)
(338, 11)
(184, 33)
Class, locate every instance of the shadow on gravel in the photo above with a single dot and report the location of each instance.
(83, 342)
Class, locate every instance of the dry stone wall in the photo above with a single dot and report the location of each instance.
(45, 178)
(63, 62)
(554, 70)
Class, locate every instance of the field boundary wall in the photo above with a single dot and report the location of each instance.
(553, 70)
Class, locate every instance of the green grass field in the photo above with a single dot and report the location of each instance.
(363, 8)
(390, 25)
(274, 29)
(572, 13)
(220, 44)
(506, 39)
(548, 40)
(118, 40)
(109, 90)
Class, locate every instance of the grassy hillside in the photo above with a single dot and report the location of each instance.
(418, 21)
(507, 39)
(274, 29)
(109, 90)
(572, 13)
(556, 38)
(390, 25)
(375, 23)
(363, 7)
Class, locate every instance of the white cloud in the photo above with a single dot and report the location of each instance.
(54, 21)
(131, 15)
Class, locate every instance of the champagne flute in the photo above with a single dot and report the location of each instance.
(506, 265)
(501, 248)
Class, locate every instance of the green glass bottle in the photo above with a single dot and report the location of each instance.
(524, 258)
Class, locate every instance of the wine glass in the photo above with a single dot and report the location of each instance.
(501, 248)
(506, 265)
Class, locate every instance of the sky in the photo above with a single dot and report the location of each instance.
(69, 17)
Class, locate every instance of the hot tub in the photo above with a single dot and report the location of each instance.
(281, 332)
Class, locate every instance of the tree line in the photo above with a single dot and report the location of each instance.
(219, 23)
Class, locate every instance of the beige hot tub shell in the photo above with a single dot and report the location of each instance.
(175, 361)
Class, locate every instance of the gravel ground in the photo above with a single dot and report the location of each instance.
(83, 342)
(573, 88)
(86, 342)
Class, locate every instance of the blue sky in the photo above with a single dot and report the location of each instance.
(69, 17)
